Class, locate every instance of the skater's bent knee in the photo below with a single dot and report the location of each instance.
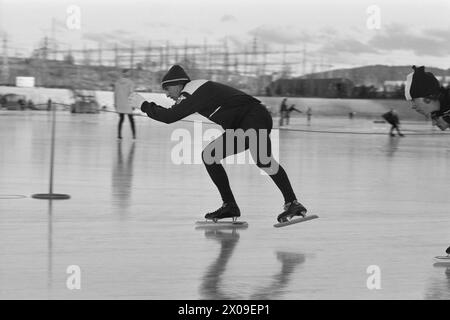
(270, 168)
(210, 157)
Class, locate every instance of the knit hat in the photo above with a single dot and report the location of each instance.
(175, 75)
(420, 84)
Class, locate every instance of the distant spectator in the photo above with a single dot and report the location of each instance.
(122, 89)
(285, 111)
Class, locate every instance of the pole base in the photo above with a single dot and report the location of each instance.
(51, 196)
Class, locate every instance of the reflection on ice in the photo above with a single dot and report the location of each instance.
(211, 280)
(122, 176)
(439, 286)
(290, 261)
(212, 286)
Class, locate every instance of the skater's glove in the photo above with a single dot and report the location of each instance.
(135, 100)
(441, 120)
(146, 106)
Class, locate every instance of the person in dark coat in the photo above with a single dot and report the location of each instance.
(285, 111)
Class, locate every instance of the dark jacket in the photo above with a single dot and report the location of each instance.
(444, 110)
(391, 117)
(283, 106)
(444, 100)
(220, 103)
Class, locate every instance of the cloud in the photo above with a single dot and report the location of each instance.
(122, 33)
(440, 34)
(93, 36)
(228, 18)
(346, 45)
(427, 42)
(280, 35)
(157, 25)
(59, 25)
(119, 37)
(329, 31)
(383, 45)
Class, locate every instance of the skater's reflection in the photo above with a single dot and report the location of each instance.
(211, 282)
(122, 178)
(392, 147)
(289, 263)
(212, 286)
(439, 288)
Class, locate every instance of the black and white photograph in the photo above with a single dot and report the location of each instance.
(224, 155)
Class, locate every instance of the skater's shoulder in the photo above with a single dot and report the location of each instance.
(193, 86)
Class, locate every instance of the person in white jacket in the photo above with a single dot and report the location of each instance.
(123, 87)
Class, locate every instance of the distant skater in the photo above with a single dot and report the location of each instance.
(285, 111)
(237, 112)
(392, 118)
(309, 114)
(123, 87)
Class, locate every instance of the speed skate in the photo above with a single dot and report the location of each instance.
(295, 220)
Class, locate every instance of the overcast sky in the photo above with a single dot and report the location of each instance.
(337, 32)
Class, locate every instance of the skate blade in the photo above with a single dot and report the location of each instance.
(209, 224)
(442, 261)
(295, 220)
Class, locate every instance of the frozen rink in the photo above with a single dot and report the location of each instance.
(129, 224)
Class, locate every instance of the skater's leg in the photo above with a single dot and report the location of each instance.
(262, 154)
(211, 156)
(397, 127)
(261, 151)
(291, 206)
(391, 132)
(133, 128)
(119, 131)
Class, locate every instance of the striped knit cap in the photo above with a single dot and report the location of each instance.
(175, 75)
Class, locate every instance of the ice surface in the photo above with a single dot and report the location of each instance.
(130, 222)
